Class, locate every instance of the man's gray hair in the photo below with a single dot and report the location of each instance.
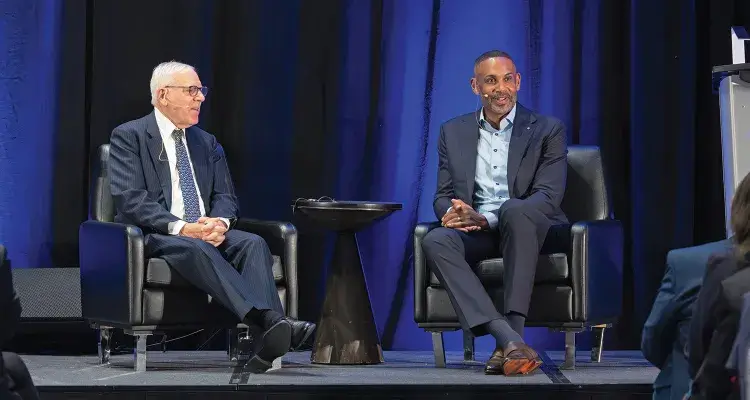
(163, 75)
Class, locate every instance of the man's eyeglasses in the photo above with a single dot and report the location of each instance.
(193, 90)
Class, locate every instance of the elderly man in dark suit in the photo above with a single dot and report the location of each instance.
(171, 179)
(501, 179)
(15, 380)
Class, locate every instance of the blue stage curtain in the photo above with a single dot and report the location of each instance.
(344, 98)
(28, 105)
(423, 63)
(426, 60)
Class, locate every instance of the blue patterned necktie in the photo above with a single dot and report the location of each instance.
(189, 193)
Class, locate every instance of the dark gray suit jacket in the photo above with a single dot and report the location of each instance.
(140, 179)
(537, 162)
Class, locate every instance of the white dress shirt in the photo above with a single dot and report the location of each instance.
(166, 127)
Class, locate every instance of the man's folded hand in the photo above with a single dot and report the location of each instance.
(463, 218)
(213, 230)
(210, 230)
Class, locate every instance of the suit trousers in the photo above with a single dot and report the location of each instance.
(15, 380)
(451, 255)
(238, 273)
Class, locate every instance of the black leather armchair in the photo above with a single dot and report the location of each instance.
(122, 289)
(575, 290)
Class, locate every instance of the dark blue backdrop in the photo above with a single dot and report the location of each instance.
(344, 98)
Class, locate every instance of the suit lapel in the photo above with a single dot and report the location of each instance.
(157, 152)
(523, 130)
(198, 158)
(468, 142)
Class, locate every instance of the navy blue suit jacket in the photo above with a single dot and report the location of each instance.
(666, 331)
(537, 162)
(140, 179)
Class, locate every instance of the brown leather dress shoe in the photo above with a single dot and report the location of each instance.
(516, 359)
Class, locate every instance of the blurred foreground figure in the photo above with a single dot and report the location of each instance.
(15, 381)
(717, 312)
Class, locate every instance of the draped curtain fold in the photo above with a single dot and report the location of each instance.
(344, 98)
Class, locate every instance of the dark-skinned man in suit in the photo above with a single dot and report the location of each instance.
(171, 179)
(501, 179)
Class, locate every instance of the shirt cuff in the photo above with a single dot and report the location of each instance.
(225, 221)
(449, 209)
(491, 219)
(176, 227)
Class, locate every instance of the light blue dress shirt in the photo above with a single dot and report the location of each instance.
(491, 179)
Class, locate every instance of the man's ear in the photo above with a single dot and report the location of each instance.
(474, 87)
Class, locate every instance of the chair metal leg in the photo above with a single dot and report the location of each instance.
(468, 346)
(140, 352)
(232, 344)
(570, 351)
(240, 345)
(597, 342)
(438, 349)
(105, 344)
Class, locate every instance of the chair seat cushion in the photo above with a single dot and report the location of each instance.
(166, 306)
(550, 304)
(551, 268)
(159, 274)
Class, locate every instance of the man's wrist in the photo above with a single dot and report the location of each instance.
(177, 227)
(225, 221)
(489, 220)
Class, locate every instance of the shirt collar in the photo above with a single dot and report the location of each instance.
(505, 122)
(166, 127)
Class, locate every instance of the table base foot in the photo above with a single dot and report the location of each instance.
(346, 334)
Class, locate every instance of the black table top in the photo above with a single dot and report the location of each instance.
(347, 205)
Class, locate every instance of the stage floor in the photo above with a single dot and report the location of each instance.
(403, 375)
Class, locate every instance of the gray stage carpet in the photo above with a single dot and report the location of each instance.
(212, 368)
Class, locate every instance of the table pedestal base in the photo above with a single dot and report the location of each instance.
(347, 333)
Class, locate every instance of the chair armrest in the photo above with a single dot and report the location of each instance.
(112, 272)
(421, 275)
(596, 270)
(281, 238)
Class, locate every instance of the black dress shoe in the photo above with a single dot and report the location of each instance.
(302, 334)
(269, 345)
